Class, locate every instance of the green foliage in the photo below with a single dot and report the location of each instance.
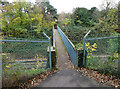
(111, 22)
(83, 16)
(107, 66)
(113, 45)
(75, 33)
(49, 12)
(66, 21)
(38, 18)
(105, 58)
(79, 45)
(14, 20)
(107, 24)
(24, 20)
(15, 73)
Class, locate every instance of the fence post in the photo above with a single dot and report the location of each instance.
(53, 37)
(84, 51)
(84, 38)
(1, 69)
(50, 54)
(49, 50)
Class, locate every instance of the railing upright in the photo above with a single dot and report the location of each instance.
(84, 48)
(69, 46)
(53, 37)
(49, 50)
(1, 73)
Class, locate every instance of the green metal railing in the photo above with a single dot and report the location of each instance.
(102, 53)
(23, 57)
(53, 37)
(69, 46)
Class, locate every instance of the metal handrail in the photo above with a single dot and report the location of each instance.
(84, 38)
(87, 34)
(21, 41)
(68, 39)
(103, 38)
(49, 51)
(69, 47)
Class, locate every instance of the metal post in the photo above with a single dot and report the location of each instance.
(1, 68)
(84, 48)
(0, 63)
(84, 51)
(53, 37)
(49, 50)
(50, 54)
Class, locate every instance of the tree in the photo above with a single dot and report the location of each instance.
(49, 12)
(22, 19)
(119, 15)
(108, 20)
(14, 19)
(65, 18)
(96, 15)
(83, 16)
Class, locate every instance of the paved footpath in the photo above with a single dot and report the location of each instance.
(67, 76)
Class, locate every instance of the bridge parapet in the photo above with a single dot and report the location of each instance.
(69, 47)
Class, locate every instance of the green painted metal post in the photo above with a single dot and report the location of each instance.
(53, 37)
(49, 51)
(84, 51)
(85, 64)
(1, 67)
(0, 64)
(50, 54)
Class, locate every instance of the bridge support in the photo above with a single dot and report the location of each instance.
(53, 57)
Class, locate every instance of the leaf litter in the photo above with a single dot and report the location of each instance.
(109, 80)
(33, 82)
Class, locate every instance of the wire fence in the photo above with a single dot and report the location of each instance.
(23, 58)
(103, 54)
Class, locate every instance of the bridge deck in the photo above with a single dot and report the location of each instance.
(63, 60)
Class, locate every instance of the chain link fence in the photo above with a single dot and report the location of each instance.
(23, 58)
(103, 54)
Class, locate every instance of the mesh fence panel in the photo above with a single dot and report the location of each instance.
(103, 55)
(23, 59)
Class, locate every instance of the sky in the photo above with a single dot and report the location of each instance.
(68, 5)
